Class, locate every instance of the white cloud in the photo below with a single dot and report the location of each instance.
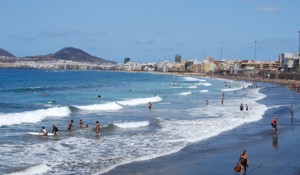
(145, 41)
(268, 9)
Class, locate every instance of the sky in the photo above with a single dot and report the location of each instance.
(152, 30)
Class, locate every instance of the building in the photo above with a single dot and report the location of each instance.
(178, 58)
(126, 60)
(289, 61)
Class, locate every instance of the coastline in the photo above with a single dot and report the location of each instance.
(268, 154)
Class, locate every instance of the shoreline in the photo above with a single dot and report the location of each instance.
(268, 154)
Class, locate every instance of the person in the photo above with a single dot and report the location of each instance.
(44, 131)
(241, 107)
(97, 127)
(274, 125)
(244, 160)
(86, 126)
(222, 100)
(70, 125)
(292, 111)
(54, 130)
(150, 106)
(99, 96)
(206, 102)
(80, 123)
(246, 107)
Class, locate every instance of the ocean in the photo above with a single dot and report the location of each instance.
(185, 110)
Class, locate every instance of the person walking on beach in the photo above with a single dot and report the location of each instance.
(97, 127)
(54, 130)
(150, 106)
(274, 125)
(70, 125)
(292, 111)
(244, 160)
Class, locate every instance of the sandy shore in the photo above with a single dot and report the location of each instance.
(269, 154)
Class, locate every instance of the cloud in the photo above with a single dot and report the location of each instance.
(23, 37)
(159, 33)
(145, 41)
(53, 33)
(268, 9)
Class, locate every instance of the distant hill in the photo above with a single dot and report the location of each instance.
(5, 53)
(74, 54)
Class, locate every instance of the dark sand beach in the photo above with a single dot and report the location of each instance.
(268, 154)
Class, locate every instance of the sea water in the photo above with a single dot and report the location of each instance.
(130, 132)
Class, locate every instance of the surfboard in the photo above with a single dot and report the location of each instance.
(39, 134)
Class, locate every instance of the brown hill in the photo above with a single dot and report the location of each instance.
(5, 53)
(74, 54)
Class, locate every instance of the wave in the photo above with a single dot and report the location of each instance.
(33, 116)
(204, 91)
(111, 106)
(193, 79)
(139, 101)
(132, 124)
(185, 93)
(192, 87)
(204, 84)
(35, 170)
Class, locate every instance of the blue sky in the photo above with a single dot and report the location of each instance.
(152, 30)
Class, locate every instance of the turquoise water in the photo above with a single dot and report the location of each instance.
(129, 131)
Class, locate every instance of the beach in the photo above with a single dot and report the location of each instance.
(269, 154)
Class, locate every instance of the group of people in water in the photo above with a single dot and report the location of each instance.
(55, 130)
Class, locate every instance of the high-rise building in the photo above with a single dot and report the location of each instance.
(178, 58)
(126, 60)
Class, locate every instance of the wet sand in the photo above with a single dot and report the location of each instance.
(268, 154)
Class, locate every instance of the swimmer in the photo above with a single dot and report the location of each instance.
(80, 123)
(150, 106)
(70, 125)
(55, 130)
(97, 127)
(44, 131)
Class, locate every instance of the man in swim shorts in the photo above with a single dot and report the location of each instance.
(54, 130)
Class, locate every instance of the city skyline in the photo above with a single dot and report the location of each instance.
(152, 30)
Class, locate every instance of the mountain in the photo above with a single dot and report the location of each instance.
(5, 53)
(74, 54)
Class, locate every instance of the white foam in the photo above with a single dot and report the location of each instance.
(185, 93)
(190, 79)
(33, 116)
(35, 170)
(111, 106)
(132, 124)
(193, 79)
(192, 87)
(139, 101)
(204, 91)
(204, 84)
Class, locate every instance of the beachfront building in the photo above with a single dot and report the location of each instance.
(209, 65)
(197, 67)
(289, 62)
(164, 66)
(178, 58)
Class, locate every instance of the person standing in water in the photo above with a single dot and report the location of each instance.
(292, 111)
(241, 107)
(274, 125)
(97, 127)
(54, 130)
(80, 123)
(150, 106)
(70, 125)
